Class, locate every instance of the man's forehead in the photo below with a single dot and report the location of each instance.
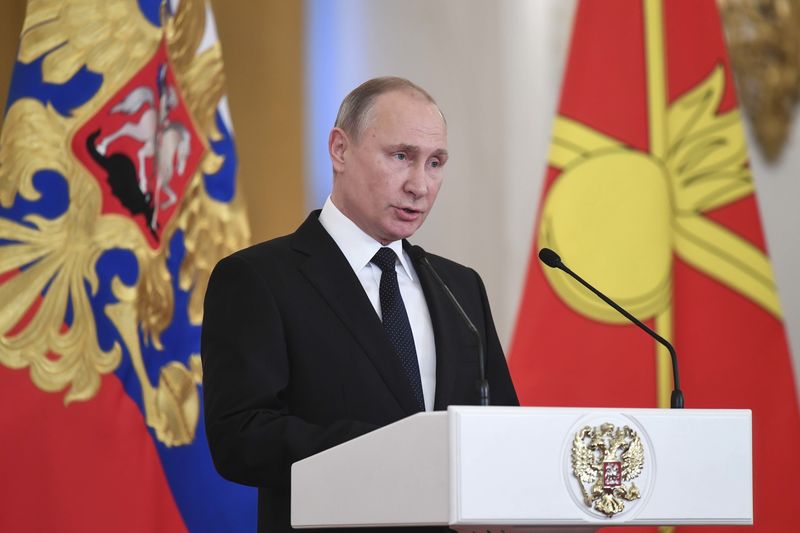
(405, 104)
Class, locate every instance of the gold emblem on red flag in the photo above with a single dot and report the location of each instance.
(622, 215)
(605, 460)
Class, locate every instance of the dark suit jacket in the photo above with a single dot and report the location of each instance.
(295, 359)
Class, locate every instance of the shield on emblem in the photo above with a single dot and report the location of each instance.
(143, 148)
(612, 474)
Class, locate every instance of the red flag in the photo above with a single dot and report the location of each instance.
(648, 195)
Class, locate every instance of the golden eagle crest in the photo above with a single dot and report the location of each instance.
(606, 460)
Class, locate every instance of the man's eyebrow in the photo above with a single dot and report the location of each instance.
(403, 148)
(441, 152)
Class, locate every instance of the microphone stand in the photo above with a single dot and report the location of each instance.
(552, 259)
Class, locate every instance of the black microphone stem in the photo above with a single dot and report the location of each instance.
(483, 386)
(551, 259)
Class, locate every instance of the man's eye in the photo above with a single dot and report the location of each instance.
(400, 156)
(436, 163)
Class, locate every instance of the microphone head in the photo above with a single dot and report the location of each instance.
(549, 258)
(416, 252)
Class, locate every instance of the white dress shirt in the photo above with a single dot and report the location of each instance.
(359, 248)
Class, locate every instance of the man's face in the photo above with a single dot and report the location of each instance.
(387, 180)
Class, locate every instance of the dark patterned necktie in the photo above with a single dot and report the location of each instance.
(395, 321)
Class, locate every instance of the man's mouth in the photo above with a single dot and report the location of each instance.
(408, 213)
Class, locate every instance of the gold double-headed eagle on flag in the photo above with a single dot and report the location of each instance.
(618, 214)
(55, 259)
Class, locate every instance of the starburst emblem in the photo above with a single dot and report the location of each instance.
(643, 207)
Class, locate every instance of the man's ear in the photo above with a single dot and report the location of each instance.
(338, 143)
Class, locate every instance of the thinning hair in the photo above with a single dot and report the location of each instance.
(354, 111)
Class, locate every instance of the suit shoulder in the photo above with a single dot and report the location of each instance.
(282, 248)
(451, 268)
(270, 248)
(442, 262)
(263, 260)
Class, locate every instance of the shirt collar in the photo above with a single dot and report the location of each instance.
(358, 247)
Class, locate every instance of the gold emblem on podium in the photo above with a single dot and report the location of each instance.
(605, 460)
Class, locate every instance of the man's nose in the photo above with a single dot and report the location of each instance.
(417, 182)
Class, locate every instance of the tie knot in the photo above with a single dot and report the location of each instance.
(385, 259)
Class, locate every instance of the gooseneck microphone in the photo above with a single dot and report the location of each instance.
(417, 253)
(552, 259)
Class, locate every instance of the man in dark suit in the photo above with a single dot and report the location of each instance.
(315, 338)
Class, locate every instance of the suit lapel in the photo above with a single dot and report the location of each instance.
(329, 272)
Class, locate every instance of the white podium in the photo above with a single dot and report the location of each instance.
(527, 468)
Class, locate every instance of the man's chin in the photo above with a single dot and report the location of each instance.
(400, 231)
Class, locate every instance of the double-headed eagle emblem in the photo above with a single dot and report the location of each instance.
(606, 460)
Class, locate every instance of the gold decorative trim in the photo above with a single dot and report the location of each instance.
(764, 44)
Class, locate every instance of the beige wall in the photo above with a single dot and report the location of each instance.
(262, 45)
(12, 12)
